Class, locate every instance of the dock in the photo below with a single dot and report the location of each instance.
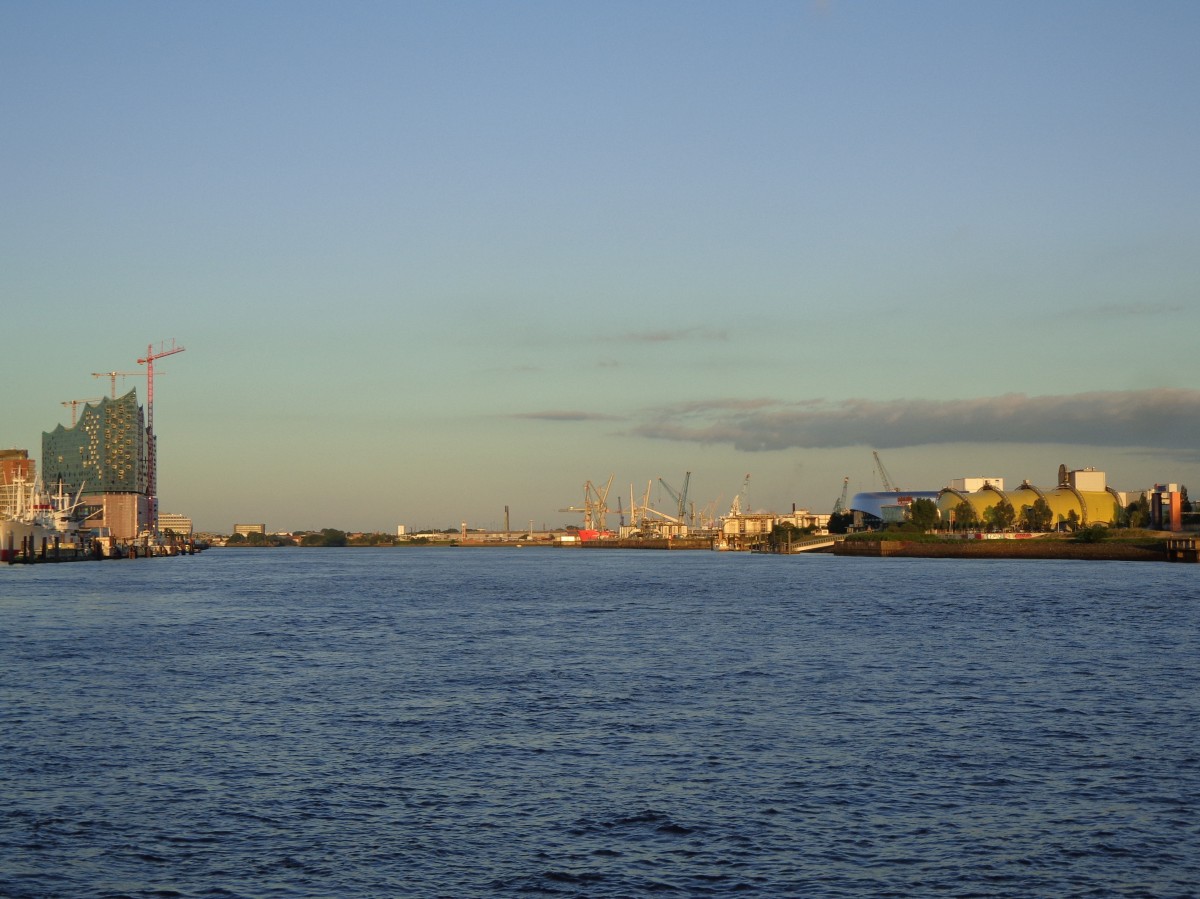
(1183, 549)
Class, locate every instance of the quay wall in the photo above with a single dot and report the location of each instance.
(651, 543)
(1005, 549)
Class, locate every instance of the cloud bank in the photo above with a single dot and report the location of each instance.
(1162, 418)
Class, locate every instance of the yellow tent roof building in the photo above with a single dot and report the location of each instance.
(1083, 492)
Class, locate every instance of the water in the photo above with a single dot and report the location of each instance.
(452, 722)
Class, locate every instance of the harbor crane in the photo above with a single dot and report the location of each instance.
(680, 497)
(888, 484)
(75, 404)
(164, 349)
(741, 502)
(839, 508)
(595, 505)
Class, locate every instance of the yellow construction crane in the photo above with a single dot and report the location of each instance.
(75, 404)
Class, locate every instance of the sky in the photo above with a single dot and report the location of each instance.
(431, 259)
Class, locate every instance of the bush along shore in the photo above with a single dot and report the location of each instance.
(1092, 545)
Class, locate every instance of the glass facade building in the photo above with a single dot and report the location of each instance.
(104, 452)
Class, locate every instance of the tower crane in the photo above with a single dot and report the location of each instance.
(75, 404)
(164, 349)
(113, 375)
(888, 485)
(839, 508)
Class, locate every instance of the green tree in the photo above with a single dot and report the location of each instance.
(1036, 517)
(840, 522)
(1000, 516)
(923, 513)
(1139, 512)
(965, 517)
(1073, 520)
(783, 534)
(333, 537)
(1091, 534)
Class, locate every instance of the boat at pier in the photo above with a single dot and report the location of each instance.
(31, 516)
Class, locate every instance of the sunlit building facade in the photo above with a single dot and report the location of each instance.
(104, 455)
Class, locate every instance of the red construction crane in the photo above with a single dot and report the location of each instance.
(151, 452)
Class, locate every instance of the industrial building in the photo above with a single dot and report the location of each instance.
(1082, 496)
(875, 508)
(175, 523)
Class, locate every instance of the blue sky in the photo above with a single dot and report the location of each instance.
(432, 259)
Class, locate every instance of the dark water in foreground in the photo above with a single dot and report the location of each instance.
(575, 723)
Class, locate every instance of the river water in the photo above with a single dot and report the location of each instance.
(488, 722)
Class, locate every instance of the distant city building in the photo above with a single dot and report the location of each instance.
(247, 529)
(104, 455)
(14, 464)
(970, 485)
(803, 518)
(176, 523)
(15, 467)
(1087, 480)
(401, 530)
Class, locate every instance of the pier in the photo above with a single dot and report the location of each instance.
(1183, 549)
(34, 551)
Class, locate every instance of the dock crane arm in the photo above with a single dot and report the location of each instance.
(888, 485)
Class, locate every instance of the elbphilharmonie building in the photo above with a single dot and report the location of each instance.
(104, 454)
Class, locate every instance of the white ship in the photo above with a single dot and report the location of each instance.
(29, 513)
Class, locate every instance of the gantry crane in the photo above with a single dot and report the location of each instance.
(164, 349)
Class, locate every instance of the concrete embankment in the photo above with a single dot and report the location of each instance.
(1006, 549)
(651, 543)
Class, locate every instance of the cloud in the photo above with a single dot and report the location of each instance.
(1163, 418)
(565, 415)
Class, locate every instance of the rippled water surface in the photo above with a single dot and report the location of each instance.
(453, 722)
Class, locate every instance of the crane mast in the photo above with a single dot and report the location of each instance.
(75, 404)
(164, 349)
(680, 497)
(839, 508)
(113, 375)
